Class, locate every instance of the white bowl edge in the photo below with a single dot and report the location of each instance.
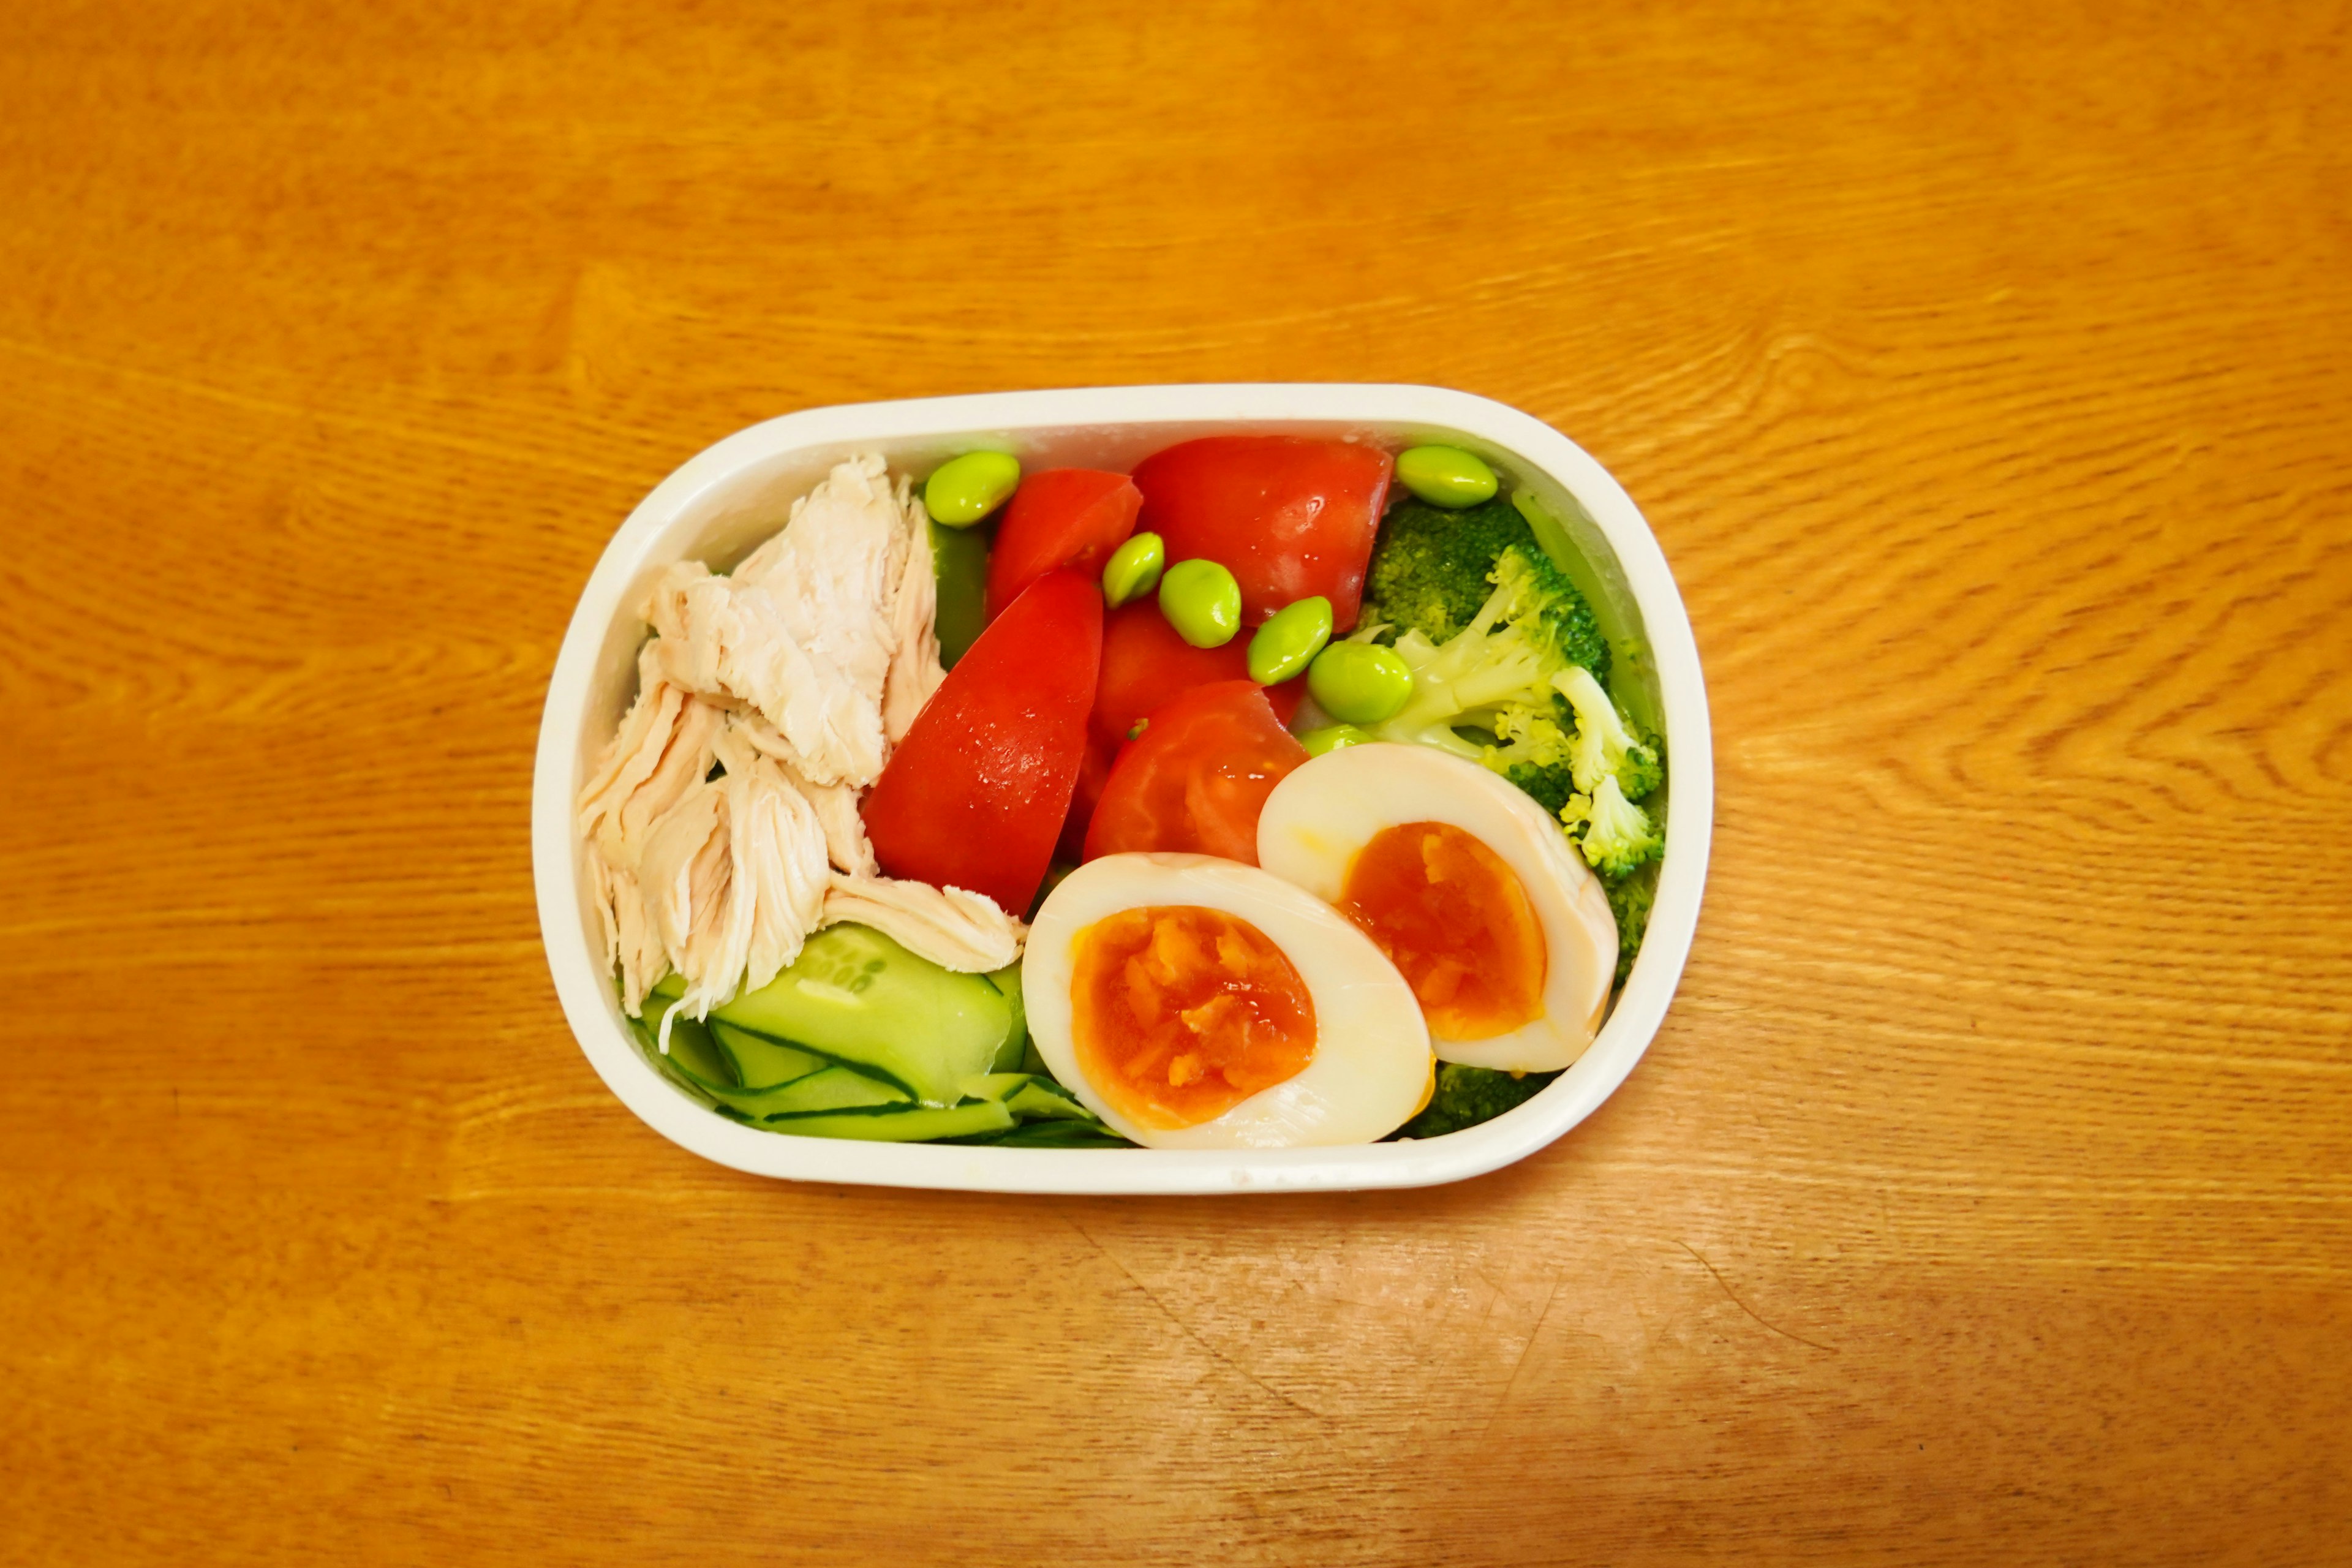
(1074, 424)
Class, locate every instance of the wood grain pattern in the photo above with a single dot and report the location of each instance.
(1987, 375)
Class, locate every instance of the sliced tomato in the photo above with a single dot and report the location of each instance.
(1093, 772)
(976, 793)
(1062, 517)
(1290, 516)
(1145, 664)
(1197, 777)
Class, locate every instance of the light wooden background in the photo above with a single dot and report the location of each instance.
(1987, 374)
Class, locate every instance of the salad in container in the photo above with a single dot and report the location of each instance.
(1154, 789)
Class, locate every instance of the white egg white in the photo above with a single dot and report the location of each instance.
(1370, 1070)
(1319, 817)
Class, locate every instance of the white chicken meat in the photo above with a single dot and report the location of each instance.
(801, 632)
(914, 670)
(954, 928)
(795, 675)
(836, 804)
(660, 754)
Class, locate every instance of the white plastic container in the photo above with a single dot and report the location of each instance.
(729, 498)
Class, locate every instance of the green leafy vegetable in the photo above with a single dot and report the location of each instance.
(1466, 1095)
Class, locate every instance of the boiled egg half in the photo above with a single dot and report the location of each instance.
(1467, 886)
(1196, 1002)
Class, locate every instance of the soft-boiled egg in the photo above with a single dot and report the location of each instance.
(1194, 1003)
(1468, 886)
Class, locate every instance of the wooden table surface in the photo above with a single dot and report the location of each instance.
(1988, 378)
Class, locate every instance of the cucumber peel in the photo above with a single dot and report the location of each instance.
(859, 998)
(1016, 1048)
(1029, 1097)
(761, 1062)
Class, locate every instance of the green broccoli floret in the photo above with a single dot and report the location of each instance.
(1616, 836)
(1531, 750)
(1629, 899)
(1545, 605)
(1429, 568)
(1604, 746)
(1503, 658)
(1466, 1095)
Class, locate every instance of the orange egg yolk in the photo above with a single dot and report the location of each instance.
(1179, 1013)
(1455, 919)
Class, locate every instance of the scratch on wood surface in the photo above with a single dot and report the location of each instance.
(1189, 1332)
(1503, 1401)
(1744, 1306)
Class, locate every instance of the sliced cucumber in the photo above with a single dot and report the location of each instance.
(666, 990)
(1009, 1054)
(911, 1126)
(693, 1054)
(761, 1062)
(858, 997)
(1028, 1097)
(997, 1086)
(1045, 1101)
(829, 1088)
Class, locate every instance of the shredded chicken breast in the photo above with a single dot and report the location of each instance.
(835, 569)
(836, 804)
(801, 632)
(915, 671)
(779, 850)
(685, 875)
(952, 927)
(732, 879)
(729, 641)
(795, 675)
(658, 757)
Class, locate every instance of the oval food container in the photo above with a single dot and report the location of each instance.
(728, 499)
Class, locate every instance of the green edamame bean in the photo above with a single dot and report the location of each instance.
(1359, 682)
(1133, 569)
(962, 491)
(1444, 476)
(1202, 601)
(1332, 738)
(1289, 642)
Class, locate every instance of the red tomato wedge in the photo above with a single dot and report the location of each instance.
(1145, 664)
(975, 796)
(1290, 516)
(1197, 779)
(1062, 517)
(1093, 772)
